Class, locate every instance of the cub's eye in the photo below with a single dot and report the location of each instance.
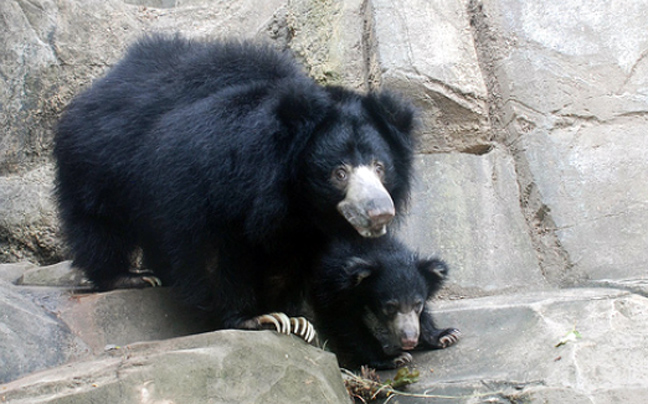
(341, 174)
(379, 168)
(391, 309)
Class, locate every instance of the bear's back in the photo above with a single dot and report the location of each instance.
(188, 70)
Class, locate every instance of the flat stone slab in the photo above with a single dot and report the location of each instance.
(219, 367)
(511, 350)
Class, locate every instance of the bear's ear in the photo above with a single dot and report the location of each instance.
(387, 108)
(301, 107)
(435, 272)
(358, 270)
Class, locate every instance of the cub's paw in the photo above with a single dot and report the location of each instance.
(448, 337)
(402, 359)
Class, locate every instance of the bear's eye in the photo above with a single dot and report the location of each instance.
(341, 174)
(379, 168)
(418, 306)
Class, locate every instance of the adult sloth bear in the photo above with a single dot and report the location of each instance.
(229, 168)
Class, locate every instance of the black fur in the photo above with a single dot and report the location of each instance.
(215, 159)
(370, 279)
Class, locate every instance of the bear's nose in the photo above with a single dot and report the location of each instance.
(379, 217)
(382, 212)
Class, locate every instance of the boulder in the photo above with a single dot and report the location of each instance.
(121, 317)
(224, 367)
(33, 338)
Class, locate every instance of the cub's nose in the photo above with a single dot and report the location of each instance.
(409, 339)
(408, 344)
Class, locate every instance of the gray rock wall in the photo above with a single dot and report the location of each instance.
(571, 108)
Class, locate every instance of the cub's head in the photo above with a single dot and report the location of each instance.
(358, 161)
(392, 286)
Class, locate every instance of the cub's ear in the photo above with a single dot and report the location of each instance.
(387, 108)
(435, 272)
(358, 270)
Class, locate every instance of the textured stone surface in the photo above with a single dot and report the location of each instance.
(573, 99)
(426, 50)
(31, 337)
(208, 19)
(123, 317)
(49, 49)
(224, 367)
(328, 37)
(12, 272)
(466, 209)
(596, 190)
(28, 223)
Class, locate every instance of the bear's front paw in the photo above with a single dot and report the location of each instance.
(283, 325)
(134, 280)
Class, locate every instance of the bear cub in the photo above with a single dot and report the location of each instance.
(369, 301)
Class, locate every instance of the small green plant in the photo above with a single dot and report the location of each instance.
(571, 336)
(367, 387)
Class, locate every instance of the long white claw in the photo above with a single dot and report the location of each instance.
(280, 321)
(268, 319)
(302, 328)
(283, 324)
(154, 281)
(296, 325)
(310, 335)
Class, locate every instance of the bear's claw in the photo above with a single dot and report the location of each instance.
(280, 321)
(154, 281)
(287, 325)
(303, 328)
(449, 337)
(134, 280)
